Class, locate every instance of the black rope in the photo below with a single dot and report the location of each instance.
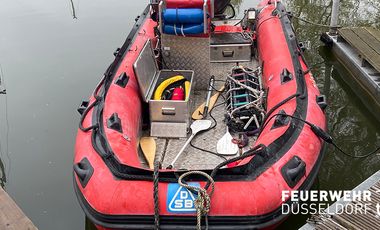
(312, 23)
(156, 174)
(84, 115)
(353, 156)
(94, 103)
(249, 153)
(274, 108)
(205, 150)
(233, 12)
(241, 20)
(212, 127)
(325, 136)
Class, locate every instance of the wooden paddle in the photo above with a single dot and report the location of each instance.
(197, 115)
(148, 147)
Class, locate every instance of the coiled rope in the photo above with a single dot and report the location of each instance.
(203, 202)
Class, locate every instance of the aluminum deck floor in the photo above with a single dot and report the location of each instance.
(192, 158)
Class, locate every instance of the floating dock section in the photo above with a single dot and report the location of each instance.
(11, 216)
(337, 216)
(358, 50)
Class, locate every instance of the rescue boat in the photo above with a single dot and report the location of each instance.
(253, 78)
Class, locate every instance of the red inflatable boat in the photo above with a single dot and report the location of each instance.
(160, 76)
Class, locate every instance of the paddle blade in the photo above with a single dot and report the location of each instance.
(148, 147)
(226, 147)
(197, 115)
(200, 125)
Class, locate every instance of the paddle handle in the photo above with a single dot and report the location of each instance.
(208, 98)
(181, 151)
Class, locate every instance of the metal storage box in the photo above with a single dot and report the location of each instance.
(230, 47)
(168, 118)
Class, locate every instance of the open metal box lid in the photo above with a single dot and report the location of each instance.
(146, 70)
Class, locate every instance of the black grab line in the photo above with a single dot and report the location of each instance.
(275, 150)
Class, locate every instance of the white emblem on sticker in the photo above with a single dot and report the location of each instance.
(180, 199)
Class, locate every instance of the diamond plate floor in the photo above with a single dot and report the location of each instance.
(192, 158)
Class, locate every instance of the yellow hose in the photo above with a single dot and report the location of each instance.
(162, 87)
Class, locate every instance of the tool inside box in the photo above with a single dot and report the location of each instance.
(193, 158)
(171, 118)
(168, 118)
(168, 147)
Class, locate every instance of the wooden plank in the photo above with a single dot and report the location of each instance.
(368, 38)
(11, 216)
(374, 32)
(362, 47)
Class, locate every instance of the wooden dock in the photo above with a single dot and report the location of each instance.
(367, 42)
(11, 216)
(358, 50)
(338, 216)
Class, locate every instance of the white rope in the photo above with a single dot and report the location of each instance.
(183, 34)
(175, 29)
(257, 94)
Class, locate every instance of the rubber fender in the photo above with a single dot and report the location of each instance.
(165, 84)
(293, 171)
(183, 16)
(84, 171)
(187, 29)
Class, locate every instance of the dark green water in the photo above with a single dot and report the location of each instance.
(51, 62)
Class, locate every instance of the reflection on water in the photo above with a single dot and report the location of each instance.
(3, 126)
(52, 62)
(352, 12)
(3, 178)
(350, 123)
(73, 12)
